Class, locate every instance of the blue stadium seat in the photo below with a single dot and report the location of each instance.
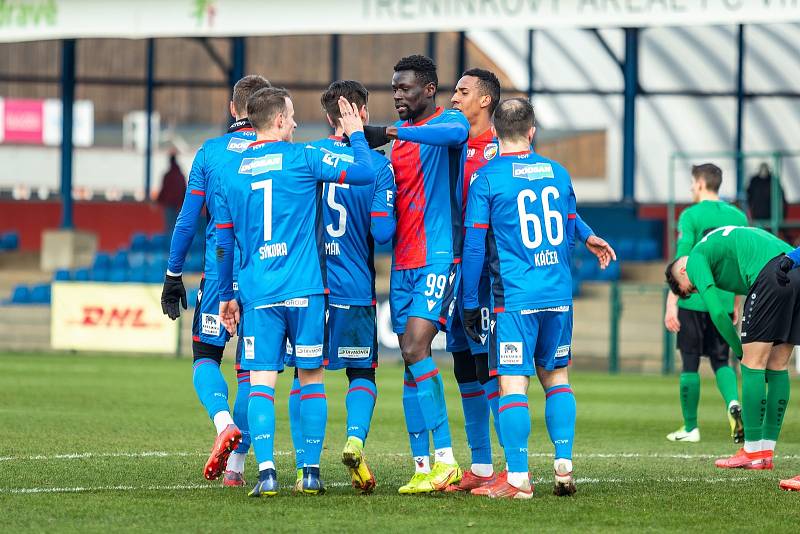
(117, 275)
(82, 275)
(609, 273)
(100, 275)
(576, 286)
(40, 294)
(137, 275)
(62, 275)
(136, 259)
(21, 295)
(625, 248)
(191, 296)
(9, 241)
(102, 261)
(138, 242)
(159, 243)
(154, 275)
(587, 269)
(158, 261)
(120, 260)
(648, 249)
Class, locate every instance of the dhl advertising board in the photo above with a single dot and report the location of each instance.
(110, 317)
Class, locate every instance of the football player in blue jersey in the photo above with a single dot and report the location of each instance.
(521, 208)
(208, 335)
(269, 201)
(354, 218)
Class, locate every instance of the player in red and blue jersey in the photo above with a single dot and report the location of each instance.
(208, 335)
(269, 200)
(522, 208)
(428, 159)
(476, 95)
(354, 217)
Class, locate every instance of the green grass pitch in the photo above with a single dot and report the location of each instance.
(110, 443)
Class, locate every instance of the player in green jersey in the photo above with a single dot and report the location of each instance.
(689, 317)
(746, 261)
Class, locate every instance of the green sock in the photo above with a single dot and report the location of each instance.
(754, 402)
(726, 383)
(690, 398)
(777, 402)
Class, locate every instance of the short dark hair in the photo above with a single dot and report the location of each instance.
(265, 104)
(488, 83)
(513, 118)
(352, 90)
(245, 88)
(711, 175)
(672, 282)
(424, 68)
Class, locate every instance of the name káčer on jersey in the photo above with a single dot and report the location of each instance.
(545, 258)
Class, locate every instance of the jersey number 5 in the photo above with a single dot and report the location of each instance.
(554, 221)
(266, 186)
(339, 230)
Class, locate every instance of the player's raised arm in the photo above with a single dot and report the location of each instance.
(453, 130)
(382, 218)
(185, 226)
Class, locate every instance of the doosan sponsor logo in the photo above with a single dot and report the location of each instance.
(256, 166)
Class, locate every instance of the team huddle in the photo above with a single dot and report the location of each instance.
(482, 230)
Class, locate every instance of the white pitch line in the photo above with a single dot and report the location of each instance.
(189, 487)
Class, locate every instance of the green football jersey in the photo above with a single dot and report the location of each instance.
(729, 259)
(695, 222)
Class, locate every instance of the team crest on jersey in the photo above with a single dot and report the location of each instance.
(266, 163)
(237, 144)
(532, 171)
(490, 151)
(510, 353)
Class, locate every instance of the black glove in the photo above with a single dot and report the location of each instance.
(782, 274)
(376, 136)
(472, 321)
(172, 293)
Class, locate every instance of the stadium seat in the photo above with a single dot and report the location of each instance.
(576, 286)
(136, 259)
(82, 275)
(102, 261)
(20, 295)
(9, 241)
(40, 294)
(137, 275)
(648, 249)
(138, 242)
(62, 275)
(120, 260)
(100, 275)
(159, 243)
(117, 275)
(609, 273)
(625, 248)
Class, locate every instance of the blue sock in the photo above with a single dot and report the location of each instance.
(415, 424)
(476, 421)
(430, 393)
(261, 416)
(295, 425)
(211, 388)
(515, 422)
(360, 403)
(313, 417)
(559, 415)
(240, 410)
(491, 388)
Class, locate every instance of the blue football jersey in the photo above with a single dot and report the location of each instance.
(525, 202)
(271, 197)
(207, 165)
(347, 214)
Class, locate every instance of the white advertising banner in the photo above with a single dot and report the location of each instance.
(30, 20)
(110, 317)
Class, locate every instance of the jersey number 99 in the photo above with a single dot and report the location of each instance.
(554, 221)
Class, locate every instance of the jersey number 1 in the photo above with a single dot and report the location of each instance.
(266, 186)
(554, 221)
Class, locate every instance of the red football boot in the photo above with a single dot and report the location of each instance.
(793, 484)
(225, 443)
(746, 460)
(471, 481)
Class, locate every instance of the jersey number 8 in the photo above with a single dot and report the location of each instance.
(554, 221)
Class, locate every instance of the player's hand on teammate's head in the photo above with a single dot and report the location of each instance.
(229, 315)
(782, 274)
(472, 322)
(602, 250)
(172, 294)
(350, 119)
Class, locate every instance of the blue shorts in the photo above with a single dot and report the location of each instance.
(524, 340)
(206, 326)
(427, 292)
(265, 330)
(457, 338)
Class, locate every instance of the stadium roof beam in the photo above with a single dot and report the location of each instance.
(149, 90)
(67, 102)
(631, 76)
